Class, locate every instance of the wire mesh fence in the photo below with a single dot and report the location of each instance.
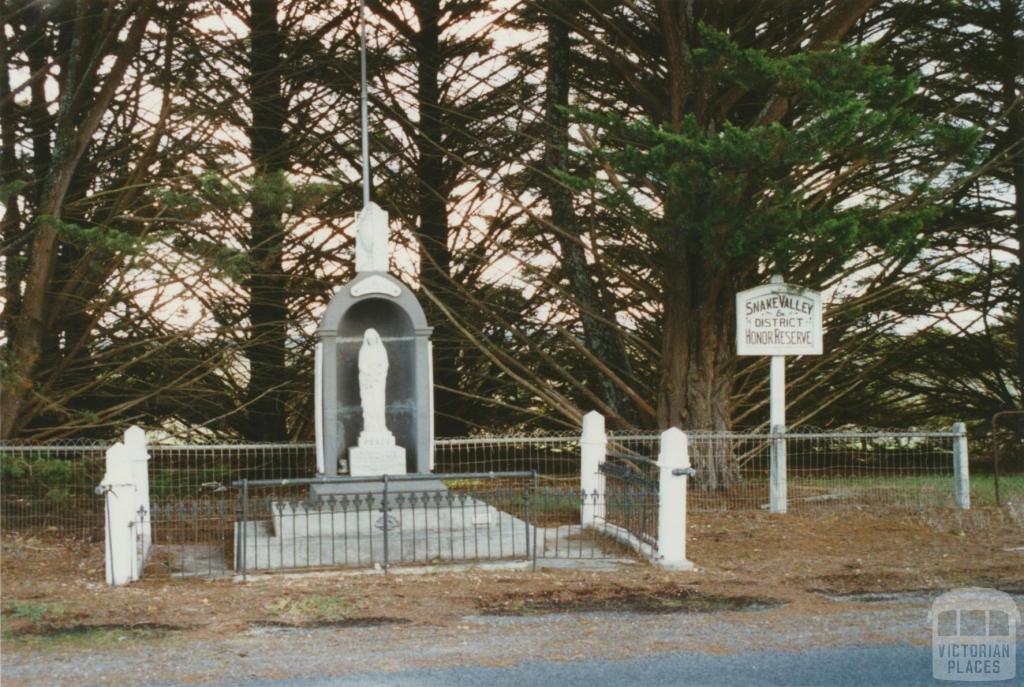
(195, 470)
(50, 487)
(826, 470)
(874, 470)
(556, 458)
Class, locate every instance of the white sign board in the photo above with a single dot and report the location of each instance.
(778, 319)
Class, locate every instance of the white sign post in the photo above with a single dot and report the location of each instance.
(777, 320)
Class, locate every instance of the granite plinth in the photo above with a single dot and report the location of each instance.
(376, 459)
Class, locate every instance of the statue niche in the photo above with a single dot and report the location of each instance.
(374, 390)
(376, 371)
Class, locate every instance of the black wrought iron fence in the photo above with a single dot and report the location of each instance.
(269, 525)
(358, 522)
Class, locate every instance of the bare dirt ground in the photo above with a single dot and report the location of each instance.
(767, 571)
(749, 556)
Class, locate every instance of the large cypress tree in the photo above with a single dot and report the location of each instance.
(743, 141)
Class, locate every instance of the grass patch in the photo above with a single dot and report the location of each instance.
(23, 616)
(909, 488)
(983, 489)
(274, 626)
(88, 636)
(611, 601)
(41, 624)
(317, 610)
(310, 608)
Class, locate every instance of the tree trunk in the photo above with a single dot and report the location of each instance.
(698, 340)
(268, 312)
(699, 360)
(600, 337)
(432, 196)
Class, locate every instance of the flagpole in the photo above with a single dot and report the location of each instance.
(362, 103)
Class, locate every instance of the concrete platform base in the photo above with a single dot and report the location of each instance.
(425, 528)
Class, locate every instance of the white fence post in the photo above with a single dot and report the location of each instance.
(135, 442)
(593, 445)
(777, 485)
(118, 489)
(125, 487)
(674, 469)
(961, 475)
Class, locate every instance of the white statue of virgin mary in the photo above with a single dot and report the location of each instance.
(376, 452)
(373, 374)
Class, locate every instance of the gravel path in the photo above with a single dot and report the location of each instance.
(398, 653)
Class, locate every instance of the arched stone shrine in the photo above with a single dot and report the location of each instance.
(377, 301)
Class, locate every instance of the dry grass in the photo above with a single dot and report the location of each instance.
(745, 560)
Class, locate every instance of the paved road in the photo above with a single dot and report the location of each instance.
(878, 665)
(844, 644)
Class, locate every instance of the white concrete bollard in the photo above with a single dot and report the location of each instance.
(674, 468)
(135, 442)
(961, 474)
(593, 446)
(118, 488)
